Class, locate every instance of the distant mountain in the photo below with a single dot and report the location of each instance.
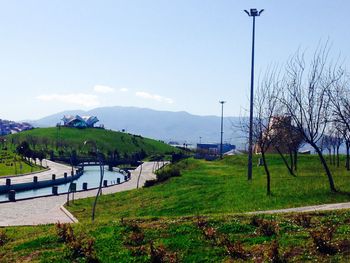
(163, 125)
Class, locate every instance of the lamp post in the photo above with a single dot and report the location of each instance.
(222, 125)
(99, 191)
(252, 13)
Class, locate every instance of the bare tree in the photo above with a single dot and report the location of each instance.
(306, 98)
(266, 108)
(340, 101)
(287, 141)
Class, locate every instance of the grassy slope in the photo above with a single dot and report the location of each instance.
(215, 188)
(222, 187)
(106, 140)
(7, 158)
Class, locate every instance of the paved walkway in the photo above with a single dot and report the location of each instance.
(48, 210)
(54, 168)
(311, 208)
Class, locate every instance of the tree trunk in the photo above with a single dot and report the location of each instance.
(338, 161)
(290, 169)
(268, 177)
(291, 157)
(348, 156)
(325, 166)
(295, 160)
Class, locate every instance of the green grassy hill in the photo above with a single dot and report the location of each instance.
(68, 139)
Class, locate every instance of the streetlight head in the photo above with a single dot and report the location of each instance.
(254, 12)
(222, 102)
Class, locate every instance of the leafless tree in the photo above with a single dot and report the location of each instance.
(339, 94)
(287, 141)
(306, 98)
(266, 103)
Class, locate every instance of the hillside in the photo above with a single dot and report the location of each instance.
(161, 125)
(68, 139)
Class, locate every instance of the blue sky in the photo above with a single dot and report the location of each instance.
(166, 55)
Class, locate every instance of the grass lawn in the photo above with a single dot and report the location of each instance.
(192, 218)
(11, 165)
(225, 238)
(221, 187)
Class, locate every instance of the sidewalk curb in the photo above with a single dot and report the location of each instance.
(68, 214)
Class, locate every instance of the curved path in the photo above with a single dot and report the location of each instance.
(48, 210)
(311, 208)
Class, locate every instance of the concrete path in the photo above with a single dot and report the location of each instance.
(302, 209)
(54, 168)
(48, 210)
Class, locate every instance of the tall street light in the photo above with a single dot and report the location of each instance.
(222, 125)
(253, 13)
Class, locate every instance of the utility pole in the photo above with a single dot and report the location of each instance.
(222, 125)
(253, 13)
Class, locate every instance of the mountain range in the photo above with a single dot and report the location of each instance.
(181, 127)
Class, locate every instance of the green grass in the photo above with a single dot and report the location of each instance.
(10, 164)
(221, 187)
(182, 238)
(167, 215)
(70, 139)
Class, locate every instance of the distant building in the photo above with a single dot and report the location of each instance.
(213, 148)
(79, 121)
(10, 127)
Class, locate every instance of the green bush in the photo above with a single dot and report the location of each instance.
(167, 172)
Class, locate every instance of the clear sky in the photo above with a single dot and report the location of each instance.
(168, 55)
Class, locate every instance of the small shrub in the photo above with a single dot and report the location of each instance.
(136, 238)
(268, 228)
(132, 227)
(77, 247)
(167, 172)
(323, 240)
(256, 221)
(65, 232)
(201, 222)
(235, 250)
(157, 254)
(160, 255)
(303, 220)
(3, 238)
(150, 183)
(82, 247)
(209, 233)
(138, 251)
(273, 253)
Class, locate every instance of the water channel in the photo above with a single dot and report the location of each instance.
(91, 176)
